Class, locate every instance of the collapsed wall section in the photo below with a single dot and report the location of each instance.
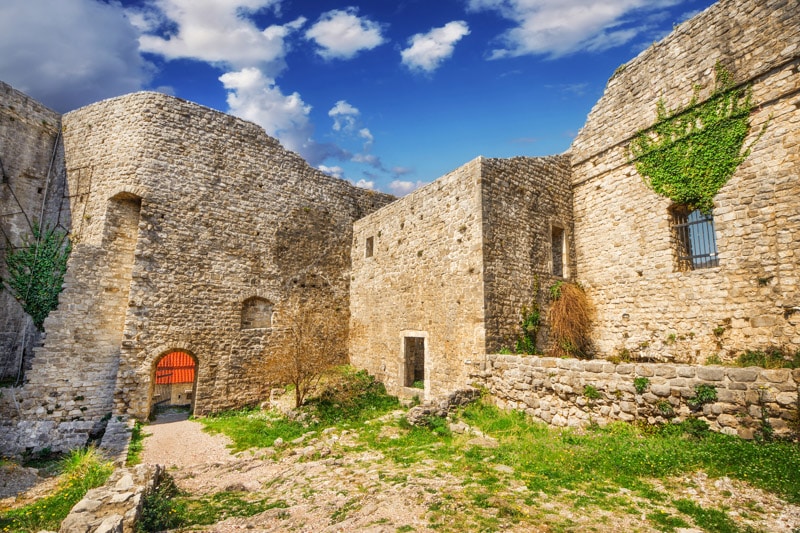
(32, 180)
(416, 294)
(528, 239)
(626, 248)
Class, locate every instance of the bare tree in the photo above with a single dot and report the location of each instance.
(312, 340)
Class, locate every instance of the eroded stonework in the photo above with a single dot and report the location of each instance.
(193, 230)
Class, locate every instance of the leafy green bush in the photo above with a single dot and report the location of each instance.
(36, 271)
(640, 384)
(703, 394)
(160, 510)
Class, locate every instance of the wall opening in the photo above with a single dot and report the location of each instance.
(414, 355)
(256, 313)
(558, 246)
(174, 382)
(369, 245)
(695, 239)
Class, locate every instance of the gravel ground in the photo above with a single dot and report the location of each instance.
(174, 441)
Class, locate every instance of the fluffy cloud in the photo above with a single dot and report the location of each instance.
(427, 51)
(401, 187)
(341, 34)
(68, 54)
(364, 184)
(561, 27)
(344, 116)
(254, 96)
(336, 171)
(215, 31)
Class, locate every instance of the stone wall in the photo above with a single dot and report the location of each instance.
(423, 279)
(182, 214)
(32, 178)
(625, 253)
(555, 391)
(523, 200)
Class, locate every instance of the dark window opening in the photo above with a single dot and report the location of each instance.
(369, 245)
(695, 239)
(557, 243)
(415, 362)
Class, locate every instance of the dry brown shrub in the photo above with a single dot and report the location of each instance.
(570, 318)
(312, 341)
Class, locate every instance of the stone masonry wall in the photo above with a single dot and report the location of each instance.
(625, 253)
(32, 179)
(182, 214)
(424, 279)
(523, 199)
(555, 391)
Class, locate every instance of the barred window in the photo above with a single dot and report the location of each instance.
(695, 239)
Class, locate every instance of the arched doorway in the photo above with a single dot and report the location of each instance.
(174, 382)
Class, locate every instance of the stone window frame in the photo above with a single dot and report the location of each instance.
(270, 315)
(694, 239)
(369, 246)
(564, 250)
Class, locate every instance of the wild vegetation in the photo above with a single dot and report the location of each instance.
(36, 271)
(508, 471)
(570, 321)
(80, 471)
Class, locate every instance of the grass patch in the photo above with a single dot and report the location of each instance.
(769, 358)
(81, 470)
(136, 444)
(708, 519)
(348, 399)
(167, 508)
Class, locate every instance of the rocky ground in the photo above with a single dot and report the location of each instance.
(334, 483)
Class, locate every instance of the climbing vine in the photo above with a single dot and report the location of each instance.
(689, 154)
(36, 271)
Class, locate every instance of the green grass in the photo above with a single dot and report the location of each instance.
(136, 444)
(82, 470)
(349, 399)
(769, 358)
(168, 508)
(611, 469)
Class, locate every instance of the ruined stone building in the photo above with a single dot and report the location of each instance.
(191, 230)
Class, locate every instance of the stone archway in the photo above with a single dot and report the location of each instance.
(173, 381)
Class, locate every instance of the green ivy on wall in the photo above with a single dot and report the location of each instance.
(689, 154)
(36, 271)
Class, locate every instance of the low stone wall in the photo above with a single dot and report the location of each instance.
(573, 392)
(115, 507)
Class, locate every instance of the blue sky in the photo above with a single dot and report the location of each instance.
(387, 94)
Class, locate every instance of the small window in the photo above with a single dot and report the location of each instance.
(695, 239)
(369, 246)
(557, 244)
(256, 313)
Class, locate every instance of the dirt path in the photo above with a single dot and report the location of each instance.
(176, 441)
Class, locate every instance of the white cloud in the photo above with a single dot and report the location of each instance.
(215, 31)
(254, 96)
(336, 171)
(341, 34)
(365, 134)
(561, 27)
(365, 184)
(344, 116)
(401, 188)
(69, 54)
(427, 51)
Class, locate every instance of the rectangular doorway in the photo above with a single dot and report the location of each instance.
(414, 352)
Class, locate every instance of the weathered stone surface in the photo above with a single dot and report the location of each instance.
(738, 407)
(115, 507)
